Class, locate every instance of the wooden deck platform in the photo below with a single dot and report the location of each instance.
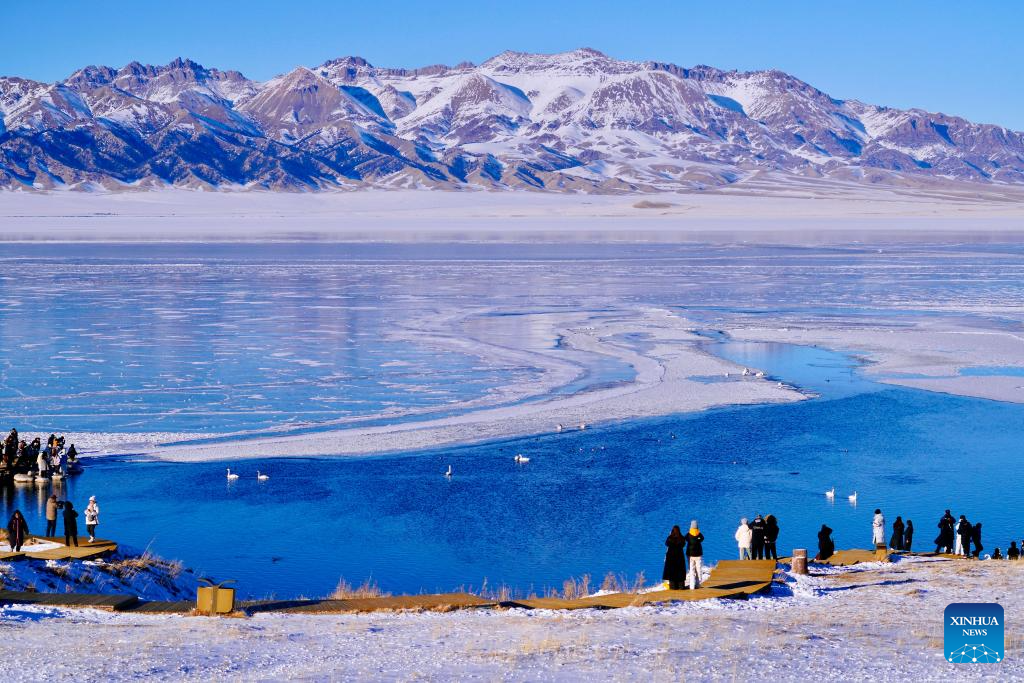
(83, 551)
(438, 602)
(113, 602)
(729, 579)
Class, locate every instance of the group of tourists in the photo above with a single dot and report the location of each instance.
(758, 540)
(18, 455)
(17, 527)
(902, 537)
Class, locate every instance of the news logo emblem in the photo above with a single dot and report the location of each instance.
(974, 633)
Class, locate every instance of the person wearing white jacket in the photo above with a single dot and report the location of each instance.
(878, 529)
(92, 518)
(744, 536)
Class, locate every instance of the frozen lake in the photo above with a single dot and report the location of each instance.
(255, 339)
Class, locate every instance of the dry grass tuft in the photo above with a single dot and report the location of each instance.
(619, 583)
(368, 589)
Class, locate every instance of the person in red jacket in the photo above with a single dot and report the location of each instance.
(17, 531)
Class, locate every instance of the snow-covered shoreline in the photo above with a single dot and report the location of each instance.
(786, 213)
(877, 621)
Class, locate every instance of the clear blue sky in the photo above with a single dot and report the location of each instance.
(955, 57)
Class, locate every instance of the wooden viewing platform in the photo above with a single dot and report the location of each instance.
(83, 551)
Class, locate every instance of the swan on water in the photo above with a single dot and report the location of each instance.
(520, 458)
(449, 472)
(231, 477)
(831, 493)
(853, 497)
(559, 427)
(583, 425)
(760, 374)
(261, 477)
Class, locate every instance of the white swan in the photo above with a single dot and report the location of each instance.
(449, 472)
(831, 493)
(583, 425)
(261, 477)
(853, 497)
(520, 458)
(231, 477)
(559, 427)
(760, 374)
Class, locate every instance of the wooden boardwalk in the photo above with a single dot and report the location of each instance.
(83, 551)
(729, 579)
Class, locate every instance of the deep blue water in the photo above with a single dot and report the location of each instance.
(588, 502)
(218, 338)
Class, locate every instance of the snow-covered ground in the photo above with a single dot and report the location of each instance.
(765, 210)
(125, 572)
(869, 622)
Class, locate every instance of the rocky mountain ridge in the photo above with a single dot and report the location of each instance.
(574, 121)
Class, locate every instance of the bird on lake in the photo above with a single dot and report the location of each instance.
(559, 427)
(831, 493)
(448, 474)
(583, 425)
(520, 458)
(261, 477)
(231, 477)
(853, 497)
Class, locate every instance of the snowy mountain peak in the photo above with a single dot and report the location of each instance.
(570, 121)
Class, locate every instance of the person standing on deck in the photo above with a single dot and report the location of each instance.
(826, 547)
(70, 524)
(92, 518)
(771, 535)
(43, 462)
(976, 538)
(743, 538)
(675, 560)
(51, 515)
(63, 463)
(878, 528)
(944, 542)
(896, 542)
(964, 532)
(908, 535)
(17, 531)
(757, 530)
(958, 543)
(695, 553)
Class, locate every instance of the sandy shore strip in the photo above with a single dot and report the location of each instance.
(881, 622)
(666, 366)
(919, 353)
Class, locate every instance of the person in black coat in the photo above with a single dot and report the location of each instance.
(771, 536)
(757, 530)
(966, 532)
(908, 535)
(976, 539)
(944, 542)
(896, 542)
(70, 524)
(1013, 553)
(826, 547)
(17, 531)
(675, 560)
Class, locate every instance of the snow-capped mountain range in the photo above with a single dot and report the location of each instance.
(575, 121)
